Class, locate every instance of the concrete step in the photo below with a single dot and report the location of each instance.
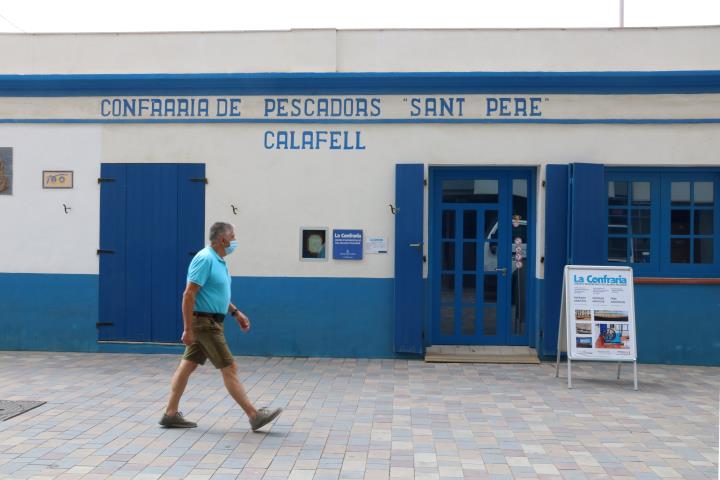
(481, 354)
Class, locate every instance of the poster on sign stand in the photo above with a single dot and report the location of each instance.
(597, 317)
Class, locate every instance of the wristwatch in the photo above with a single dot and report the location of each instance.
(233, 312)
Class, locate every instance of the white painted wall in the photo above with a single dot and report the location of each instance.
(279, 191)
(530, 50)
(646, 49)
(36, 235)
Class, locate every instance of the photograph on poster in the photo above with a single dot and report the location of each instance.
(583, 342)
(312, 243)
(582, 315)
(613, 335)
(583, 328)
(611, 316)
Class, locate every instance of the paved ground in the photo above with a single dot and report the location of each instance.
(348, 418)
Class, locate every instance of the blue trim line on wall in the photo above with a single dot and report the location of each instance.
(701, 81)
(550, 121)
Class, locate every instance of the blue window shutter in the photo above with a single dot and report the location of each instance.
(588, 213)
(409, 288)
(556, 236)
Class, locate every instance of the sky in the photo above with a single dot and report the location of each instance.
(36, 16)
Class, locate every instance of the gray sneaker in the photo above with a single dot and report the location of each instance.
(263, 417)
(176, 421)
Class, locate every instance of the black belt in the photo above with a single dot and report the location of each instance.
(218, 317)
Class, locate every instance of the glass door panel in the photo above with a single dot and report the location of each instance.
(479, 260)
(519, 226)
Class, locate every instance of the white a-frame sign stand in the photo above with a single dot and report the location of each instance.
(597, 317)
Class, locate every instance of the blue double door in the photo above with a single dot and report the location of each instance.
(151, 224)
(480, 222)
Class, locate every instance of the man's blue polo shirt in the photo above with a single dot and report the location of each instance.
(210, 271)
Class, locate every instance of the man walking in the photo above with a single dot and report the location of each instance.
(205, 303)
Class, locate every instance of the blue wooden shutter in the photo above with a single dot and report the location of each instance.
(588, 211)
(409, 287)
(164, 238)
(191, 225)
(112, 252)
(575, 210)
(556, 248)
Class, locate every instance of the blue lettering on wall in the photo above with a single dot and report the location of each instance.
(375, 107)
(535, 106)
(203, 107)
(269, 139)
(512, 107)
(105, 107)
(156, 109)
(444, 107)
(415, 107)
(270, 104)
(322, 108)
(229, 107)
(313, 140)
(170, 107)
(272, 107)
(282, 104)
(183, 107)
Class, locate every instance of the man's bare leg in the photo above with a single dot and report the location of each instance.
(236, 389)
(178, 384)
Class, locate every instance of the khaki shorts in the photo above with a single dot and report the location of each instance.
(209, 343)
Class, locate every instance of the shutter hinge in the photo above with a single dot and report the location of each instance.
(199, 180)
(104, 324)
(100, 250)
(105, 180)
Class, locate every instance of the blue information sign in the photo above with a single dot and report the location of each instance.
(347, 244)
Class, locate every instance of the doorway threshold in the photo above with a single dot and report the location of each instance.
(481, 354)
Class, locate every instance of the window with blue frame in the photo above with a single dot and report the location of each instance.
(664, 222)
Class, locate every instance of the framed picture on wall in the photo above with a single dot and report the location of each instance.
(6, 170)
(313, 241)
(57, 179)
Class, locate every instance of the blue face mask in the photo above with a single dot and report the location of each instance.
(231, 248)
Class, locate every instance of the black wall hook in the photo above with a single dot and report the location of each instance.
(67, 209)
(393, 210)
(234, 209)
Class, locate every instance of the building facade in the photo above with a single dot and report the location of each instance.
(391, 190)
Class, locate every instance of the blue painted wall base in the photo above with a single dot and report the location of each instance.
(48, 312)
(325, 317)
(676, 325)
(328, 317)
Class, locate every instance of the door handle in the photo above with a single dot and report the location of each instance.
(502, 270)
(416, 245)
